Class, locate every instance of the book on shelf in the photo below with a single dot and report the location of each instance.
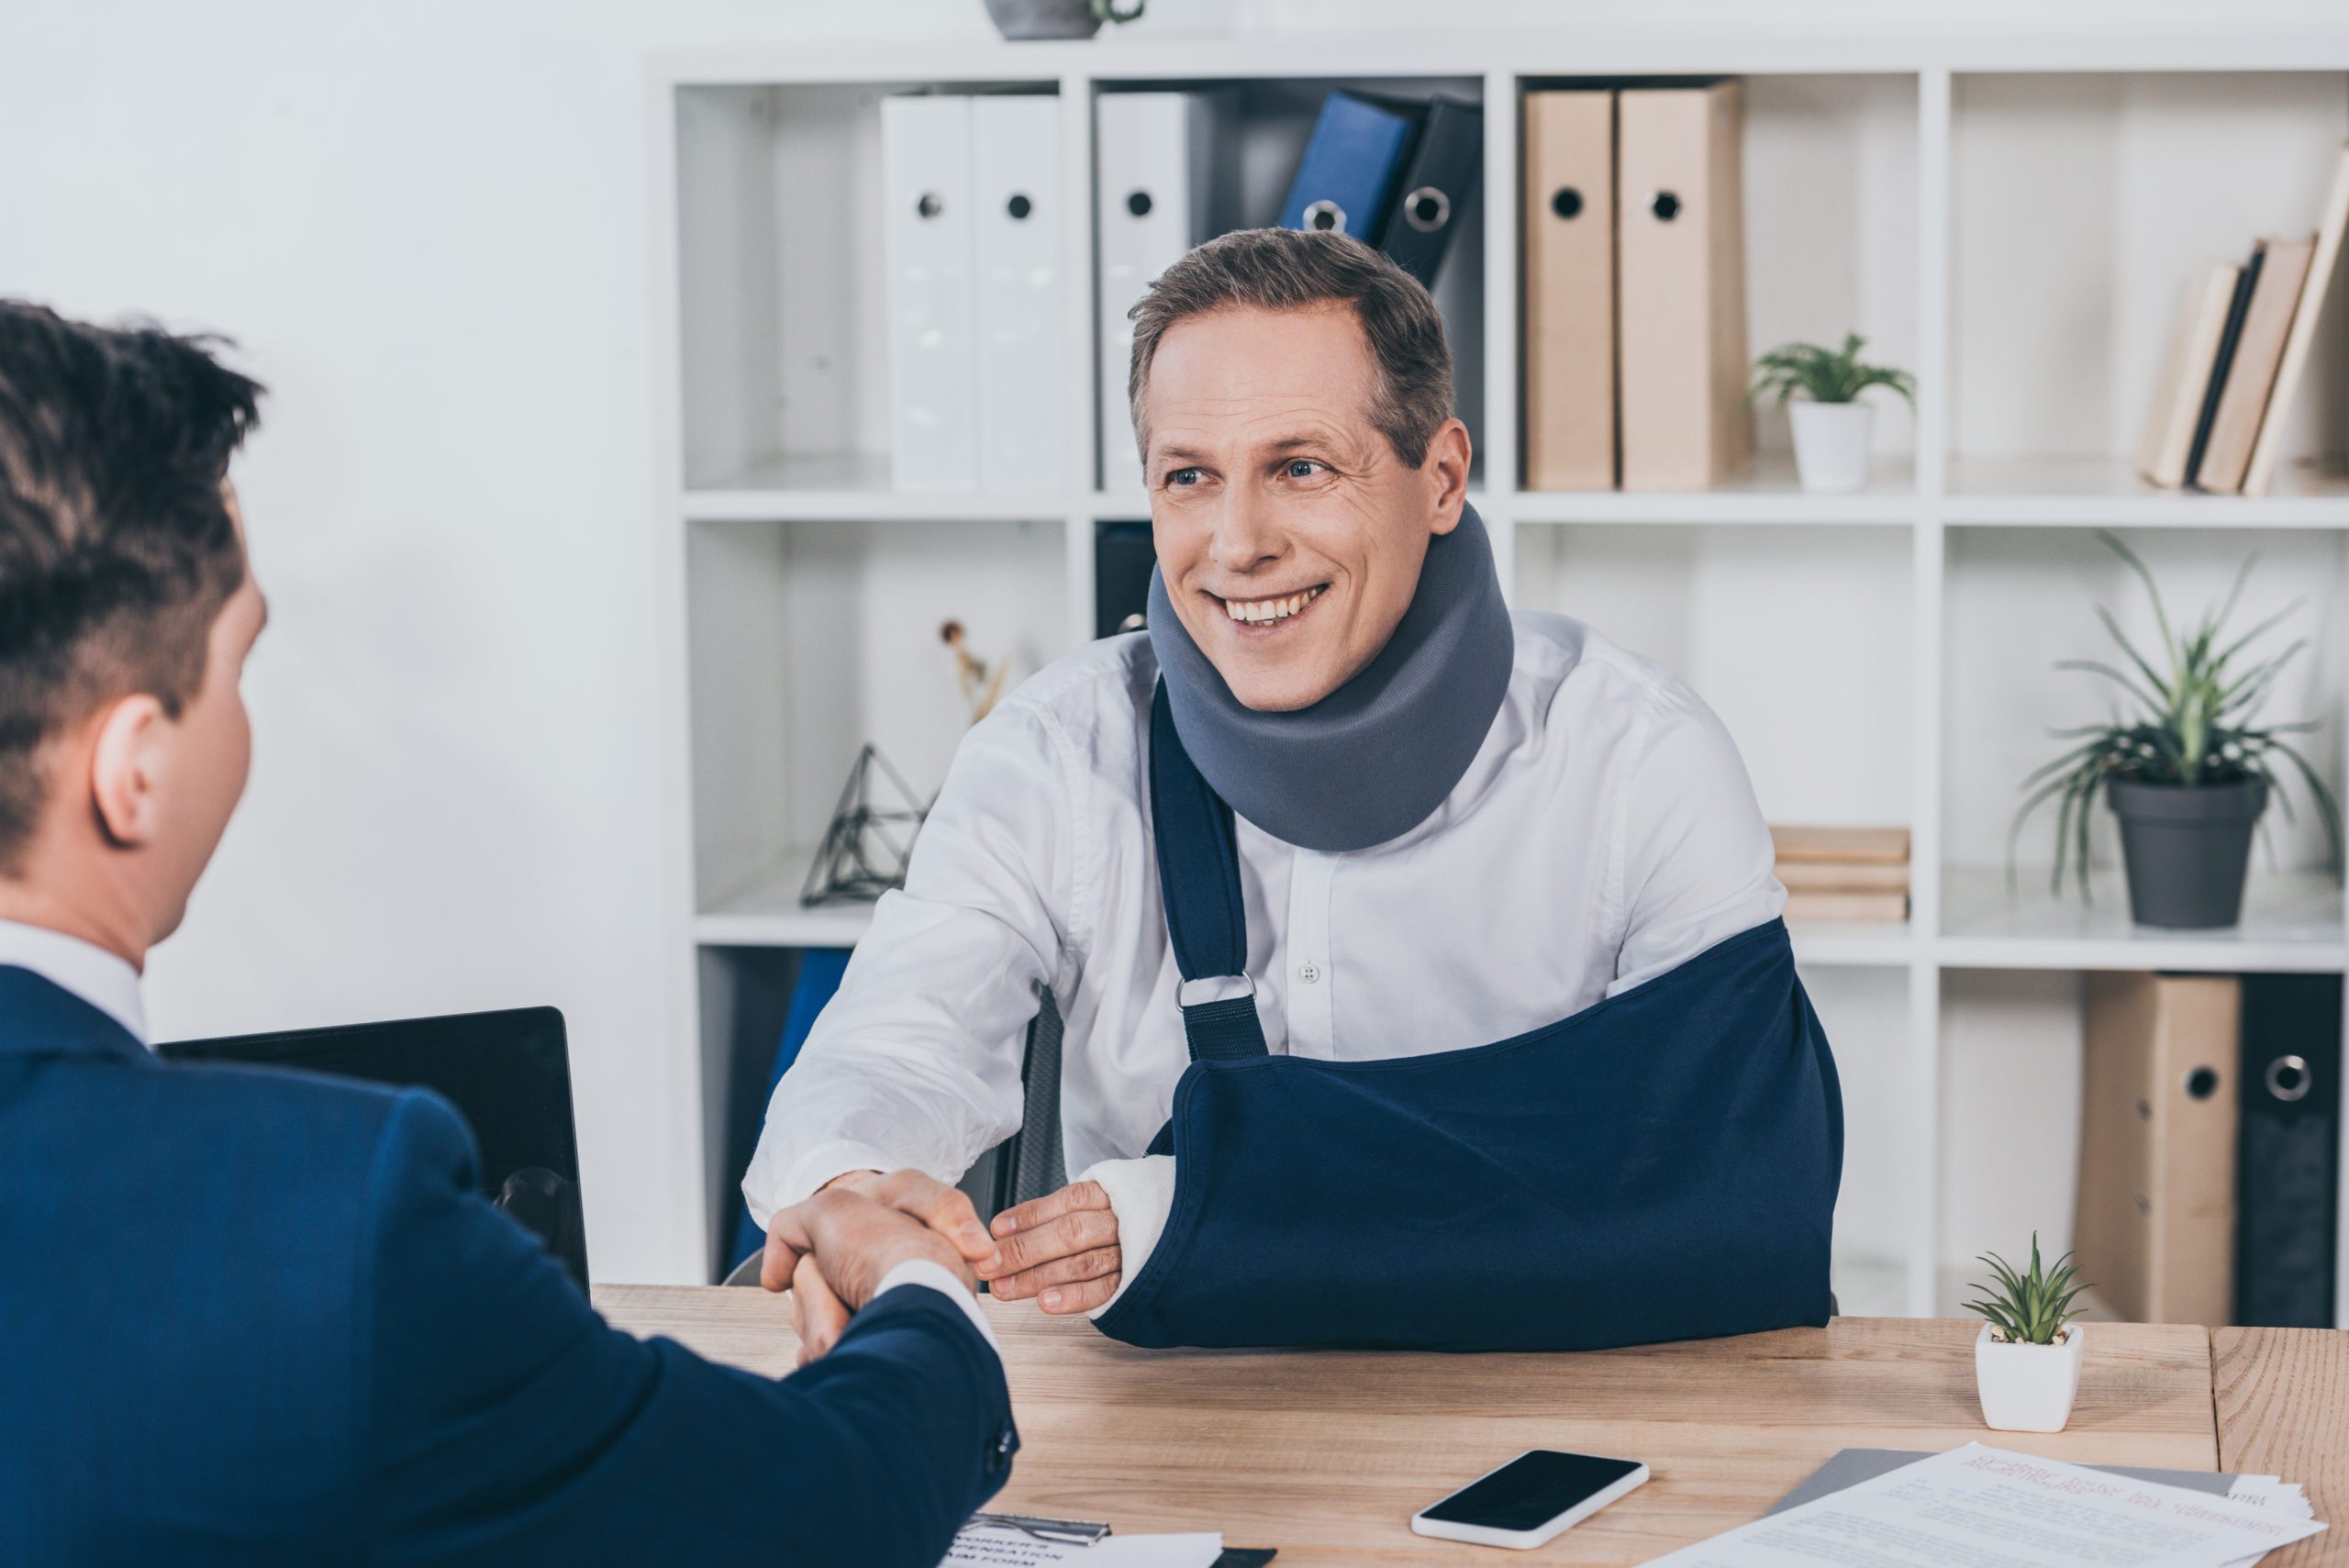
(2168, 439)
(1844, 876)
(1876, 845)
(1811, 905)
(2284, 268)
(2237, 351)
(2222, 362)
(2297, 343)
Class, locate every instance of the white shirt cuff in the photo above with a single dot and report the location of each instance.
(807, 1173)
(1141, 1193)
(924, 1274)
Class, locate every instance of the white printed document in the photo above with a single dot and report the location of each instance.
(1986, 1508)
(985, 1546)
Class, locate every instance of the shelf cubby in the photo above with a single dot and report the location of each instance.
(2020, 599)
(781, 321)
(807, 641)
(2082, 203)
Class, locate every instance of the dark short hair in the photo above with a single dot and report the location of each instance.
(117, 547)
(1295, 269)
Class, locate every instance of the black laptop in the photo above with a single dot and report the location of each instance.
(507, 1073)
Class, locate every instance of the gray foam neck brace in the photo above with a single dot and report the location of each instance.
(1373, 758)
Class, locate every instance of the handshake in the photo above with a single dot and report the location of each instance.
(833, 1251)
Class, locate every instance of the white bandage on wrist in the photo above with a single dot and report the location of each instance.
(1141, 1193)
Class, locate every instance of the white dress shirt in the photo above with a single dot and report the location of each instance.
(102, 979)
(1604, 833)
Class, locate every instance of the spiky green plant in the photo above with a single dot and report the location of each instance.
(1824, 375)
(2027, 1309)
(2198, 726)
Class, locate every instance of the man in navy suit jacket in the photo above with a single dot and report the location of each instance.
(253, 1317)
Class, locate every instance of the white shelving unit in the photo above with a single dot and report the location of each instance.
(2010, 219)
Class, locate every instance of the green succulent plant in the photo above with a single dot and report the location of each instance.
(2028, 1309)
(2197, 724)
(1824, 375)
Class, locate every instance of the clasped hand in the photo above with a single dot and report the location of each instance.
(830, 1252)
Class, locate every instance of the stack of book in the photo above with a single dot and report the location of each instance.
(1843, 874)
(2236, 355)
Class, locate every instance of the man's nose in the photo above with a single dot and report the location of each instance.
(1246, 532)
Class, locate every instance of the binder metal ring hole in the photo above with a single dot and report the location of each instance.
(1019, 206)
(2202, 1083)
(1326, 218)
(2288, 1078)
(1567, 203)
(1427, 209)
(929, 205)
(1138, 203)
(1666, 206)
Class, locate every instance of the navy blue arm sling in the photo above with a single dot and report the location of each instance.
(1662, 1165)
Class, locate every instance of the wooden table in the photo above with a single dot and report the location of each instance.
(1325, 1454)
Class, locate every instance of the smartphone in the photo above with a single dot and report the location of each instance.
(1530, 1499)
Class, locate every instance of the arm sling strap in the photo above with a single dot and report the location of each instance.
(1662, 1165)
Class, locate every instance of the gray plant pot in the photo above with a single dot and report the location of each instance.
(2186, 848)
(1044, 19)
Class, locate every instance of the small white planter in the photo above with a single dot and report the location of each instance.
(1832, 444)
(2028, 1388)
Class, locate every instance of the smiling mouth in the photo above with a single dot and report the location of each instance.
(1271, 611)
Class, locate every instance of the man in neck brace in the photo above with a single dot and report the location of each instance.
(1452, 825)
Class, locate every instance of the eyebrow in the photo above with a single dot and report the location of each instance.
(1278, 444)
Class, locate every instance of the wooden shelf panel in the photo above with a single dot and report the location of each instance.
(1769, 492)
(2104, 491)
(2292, 920)
(852, 488)
(763, 910)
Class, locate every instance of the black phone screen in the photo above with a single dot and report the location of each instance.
(1530, 1490)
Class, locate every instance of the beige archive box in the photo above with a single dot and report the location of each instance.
(2157, 1222)
(1680, 268)
(1569, 231)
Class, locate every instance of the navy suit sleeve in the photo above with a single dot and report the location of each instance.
(510, 1425)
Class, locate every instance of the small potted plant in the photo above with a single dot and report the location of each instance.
(1058, 18)
(2027, 1358)
(1831, 424)
(2189, 774)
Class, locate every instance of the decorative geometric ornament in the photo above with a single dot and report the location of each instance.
(868, 846)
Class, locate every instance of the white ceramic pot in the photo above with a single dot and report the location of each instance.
(2028, 1388)
(1832, 444)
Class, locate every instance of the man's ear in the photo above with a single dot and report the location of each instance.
(1446, 469)
(127, 767)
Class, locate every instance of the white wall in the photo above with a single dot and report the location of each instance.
(426, 224)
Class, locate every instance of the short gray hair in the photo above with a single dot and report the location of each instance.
(1291, 269)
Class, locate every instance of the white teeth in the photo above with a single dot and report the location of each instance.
(1257, 612)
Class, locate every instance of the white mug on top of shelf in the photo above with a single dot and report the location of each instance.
(1832, 444)
(2028, 1388)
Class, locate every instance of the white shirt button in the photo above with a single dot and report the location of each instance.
(1309, 973)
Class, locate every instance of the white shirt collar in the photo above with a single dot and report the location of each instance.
(97, 976)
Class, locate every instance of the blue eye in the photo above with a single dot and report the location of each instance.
(1302, 468)
(1184, 476)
